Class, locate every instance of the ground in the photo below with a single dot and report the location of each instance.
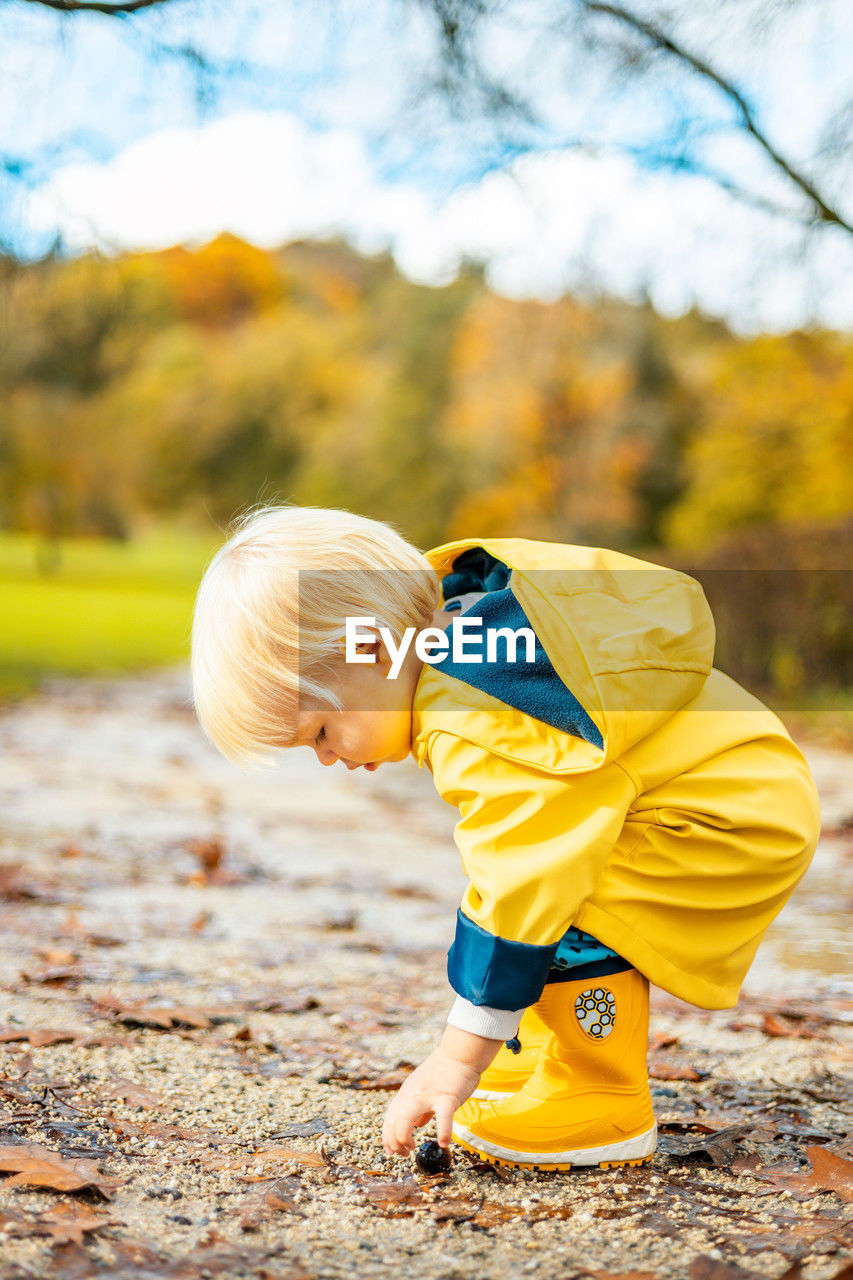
(211, 980)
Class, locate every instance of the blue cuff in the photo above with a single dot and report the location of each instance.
(489, 970)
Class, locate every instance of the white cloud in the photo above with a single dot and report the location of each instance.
(549, 223)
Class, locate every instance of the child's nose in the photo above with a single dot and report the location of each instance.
(326, 755)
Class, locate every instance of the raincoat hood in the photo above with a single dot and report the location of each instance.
(633, 643)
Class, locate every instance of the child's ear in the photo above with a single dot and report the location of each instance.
(374, 646)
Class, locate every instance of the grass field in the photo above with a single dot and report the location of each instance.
(95, 607)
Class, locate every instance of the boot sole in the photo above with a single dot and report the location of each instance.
(615, 1155)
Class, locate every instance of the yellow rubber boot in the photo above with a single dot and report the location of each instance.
(588, 1100)
(510, 1070)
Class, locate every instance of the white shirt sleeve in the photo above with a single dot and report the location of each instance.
(482, 1020)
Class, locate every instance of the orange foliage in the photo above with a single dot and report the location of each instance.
(223, 282)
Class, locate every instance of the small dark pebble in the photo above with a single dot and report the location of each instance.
(431, 1158)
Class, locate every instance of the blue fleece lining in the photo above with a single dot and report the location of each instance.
(531, 687)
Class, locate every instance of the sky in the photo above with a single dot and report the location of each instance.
(331, 134)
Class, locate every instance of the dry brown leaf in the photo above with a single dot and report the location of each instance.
(662, 1040)
(265, 1155)
(209, 852)
(166, 1132)
(37, 1166)
(706, 1268)
(163, 1018)
(268, 1199)
(719, 1148)
(37, 1037)
(133, 1258)
(17, 886)
(56, 975)
(277, 1004)
(385, 1081)
(135, 1095)
(57, 955)
(773, 1026)
(621, 1275)
(830, 1172)
(700, 1121)
(405, 1199)
(284, 1155)
(674, 1071)
(67, 1222)
(71, 927)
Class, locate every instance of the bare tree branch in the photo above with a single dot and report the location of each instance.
(93, 6)
(659, 38)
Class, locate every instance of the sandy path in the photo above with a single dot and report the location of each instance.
(344, 891)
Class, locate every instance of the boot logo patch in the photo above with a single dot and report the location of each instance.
(595, 1010)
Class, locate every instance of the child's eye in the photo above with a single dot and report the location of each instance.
(320, 736)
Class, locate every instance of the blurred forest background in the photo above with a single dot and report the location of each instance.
(146, 398)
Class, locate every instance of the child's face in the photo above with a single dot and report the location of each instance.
(375, 724)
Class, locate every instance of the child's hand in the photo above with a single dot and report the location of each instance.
(445, 1080)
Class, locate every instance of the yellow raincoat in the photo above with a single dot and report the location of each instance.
(620, 785)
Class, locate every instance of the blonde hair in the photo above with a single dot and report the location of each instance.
(269, 618)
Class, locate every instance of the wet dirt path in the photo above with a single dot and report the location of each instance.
(295, 922)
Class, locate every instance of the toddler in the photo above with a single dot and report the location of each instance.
(628, 814)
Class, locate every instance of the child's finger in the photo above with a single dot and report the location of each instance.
(389, 1131)
(444, 1120)
(403, 1131)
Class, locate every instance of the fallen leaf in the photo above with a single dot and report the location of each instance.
(37, 1166)
(162, 1018)
(700, 1121)
(266, 1200)
(209, 852)
(387, 1080)
(662, 1040)
(266, 1155)
(135, 1260)
(17, 886)
(306, 1129)
(705, 1268)
(829, 1172)
(300, 1004)
(621, 1275)
(38, 1038)
(675, 1071)
(719, 1149)
(126, 1091)
(68, 1221)
(405, 1199)
(165, 1132)
(344, 922)
(408, 891)
(773, 1026)
(56, 975)
(57, 955)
